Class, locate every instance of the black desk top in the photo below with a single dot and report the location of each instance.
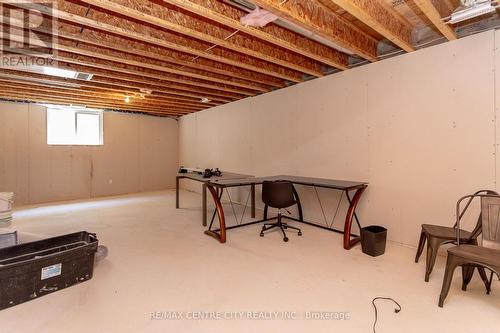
(319, 182)
(200, 178)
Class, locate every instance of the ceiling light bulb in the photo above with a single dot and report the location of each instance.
(205, 100)
(127, 99)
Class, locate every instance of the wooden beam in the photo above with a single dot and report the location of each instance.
(381, 18)
(69, 101)
(225, 57)
(76, 99)
(124, 60)
(110, 83)
(132, 83)
(109, 72)
(222, 85)
(136, 48)
(435, 10)
(105, 70)
(98, 89)
(168, 82)
(325, 23)
(229, 16)
(37, 98)
(96, 96)
(186, 25)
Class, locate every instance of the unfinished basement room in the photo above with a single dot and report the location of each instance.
(249, 166)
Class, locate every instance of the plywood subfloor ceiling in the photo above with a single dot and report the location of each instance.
(173, 57)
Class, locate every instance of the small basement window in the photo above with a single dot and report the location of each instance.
(67, 126)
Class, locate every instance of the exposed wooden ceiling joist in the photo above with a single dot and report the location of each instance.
(152, 61)
(229, 16)
(380, 17)
(325, 23)
(185, 47)
(181, 83)
(137, 48)
(133, 82)
(108, 101)
(98, 95)
(43, 98)
(104, 84)
(186, 25)
(71, 100)
(170, 55)
(435, 10)
(107, 71)
(142, 69)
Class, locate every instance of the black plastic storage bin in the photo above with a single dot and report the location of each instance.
(34, 269)
(373, 239)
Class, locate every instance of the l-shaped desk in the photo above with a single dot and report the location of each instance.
(216, 187)
(199, 178)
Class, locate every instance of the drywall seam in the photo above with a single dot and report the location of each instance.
(29, 152)
(495, 108)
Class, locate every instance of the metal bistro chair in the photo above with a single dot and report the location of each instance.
(437, 235)
(278, 194)
(486, 255)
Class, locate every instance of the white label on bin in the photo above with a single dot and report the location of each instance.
(51, 271)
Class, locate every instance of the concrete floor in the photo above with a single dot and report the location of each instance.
(161, 262)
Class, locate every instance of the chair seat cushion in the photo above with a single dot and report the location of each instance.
(445, 232)
(478, 254)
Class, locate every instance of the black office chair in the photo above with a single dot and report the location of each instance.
(278, 194)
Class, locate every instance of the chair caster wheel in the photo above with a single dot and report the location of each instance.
(300, 233)
(285, 239)
(261, 234)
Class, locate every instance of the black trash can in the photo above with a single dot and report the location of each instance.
(373, 239)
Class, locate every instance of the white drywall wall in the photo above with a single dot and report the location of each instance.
(420, 128)
(140, 153)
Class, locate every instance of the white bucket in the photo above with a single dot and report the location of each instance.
(6, 199)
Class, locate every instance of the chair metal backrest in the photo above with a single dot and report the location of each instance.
(278, 194)
(490, 212)
(460, 213)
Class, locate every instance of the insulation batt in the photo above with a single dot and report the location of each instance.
(258, 18)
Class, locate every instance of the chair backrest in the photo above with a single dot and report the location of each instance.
(278, 194)
(478, 228)
(490, 213)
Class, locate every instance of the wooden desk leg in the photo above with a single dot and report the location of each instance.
(348, 242)
(204, 205)
(252, 202)
(221, 235)
(177, 192)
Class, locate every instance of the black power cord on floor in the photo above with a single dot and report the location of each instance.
(396, 310)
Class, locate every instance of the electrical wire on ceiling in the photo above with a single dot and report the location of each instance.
(82, 28)
(226, 38)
